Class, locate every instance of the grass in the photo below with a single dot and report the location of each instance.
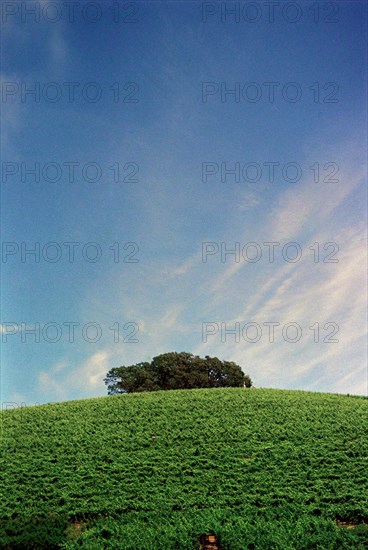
(260, 468)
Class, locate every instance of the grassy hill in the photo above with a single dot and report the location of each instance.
(259, 468)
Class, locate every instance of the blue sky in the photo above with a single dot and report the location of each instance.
(173, 145)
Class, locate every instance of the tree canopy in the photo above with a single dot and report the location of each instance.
(176, 371)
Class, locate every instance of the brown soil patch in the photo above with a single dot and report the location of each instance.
(75, 529)
(208, 542)
(349, 524)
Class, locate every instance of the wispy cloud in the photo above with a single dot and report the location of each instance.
(64, 379)
(58, 48)
(320, 293)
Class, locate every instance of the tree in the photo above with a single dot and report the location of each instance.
(173, 371)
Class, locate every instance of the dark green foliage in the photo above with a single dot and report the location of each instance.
(176, 371)
(46, 532)
(262, 469)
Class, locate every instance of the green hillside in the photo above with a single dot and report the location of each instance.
(259, 468)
